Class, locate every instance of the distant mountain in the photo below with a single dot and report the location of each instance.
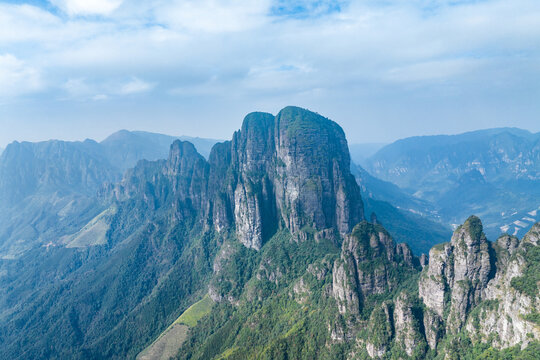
(48, 189)
(493, 173)
(52, 166)
(124, 148)
(42, 185)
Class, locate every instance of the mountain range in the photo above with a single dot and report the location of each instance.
(493, 173)
(55, 182)
(265, 249)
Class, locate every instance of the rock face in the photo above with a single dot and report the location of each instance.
(370, 263)
(461, 269)
(291, 170)
(408, 326)
(468, 284)
(510, 308)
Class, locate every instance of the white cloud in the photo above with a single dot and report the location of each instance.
(135, 86)
(87, 7)
(17, 78)
(243, 54)
(433, 70)
(214, 15)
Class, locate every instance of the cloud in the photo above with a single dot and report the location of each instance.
(100, 97)
(87, 7)
(239, 54)
(135, 86)
(433, 70)
(213, 16)
(17, 78)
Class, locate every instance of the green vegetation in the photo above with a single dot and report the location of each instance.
(475, 227)
(533, 317)
(528, 282)
(460, 347)
(195, 312)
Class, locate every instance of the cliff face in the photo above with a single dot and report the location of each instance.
(511, 299)
(458, 273)
(370, 263)
(289, 171)
(292, 171)
(271, 227)
(470, 284)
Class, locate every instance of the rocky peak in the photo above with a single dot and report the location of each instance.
(508, 243)
(533, 235)
(286, 171)
(370, 263)
(457, 275)
(472, 257)
(179, 182)
(315, 183)
(291, 170)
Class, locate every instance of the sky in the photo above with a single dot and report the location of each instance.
(382, 69)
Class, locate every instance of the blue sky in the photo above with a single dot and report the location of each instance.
(75, 69)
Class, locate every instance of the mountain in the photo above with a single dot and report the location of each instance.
(263, 251)
(124, 148)
(487, 290)
(270, 176)
(48, 189)
(493, 173)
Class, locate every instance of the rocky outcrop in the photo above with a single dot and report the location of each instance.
(344, 287)
(370, 263)
(509, 314)
(380, 331)
(458, 274)
(470, 283)
(180, 183)
(291, 170)
(408, 326)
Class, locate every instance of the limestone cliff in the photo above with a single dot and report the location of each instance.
(470, 284)
(291, 170)
(286, 171)
(370, 263)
